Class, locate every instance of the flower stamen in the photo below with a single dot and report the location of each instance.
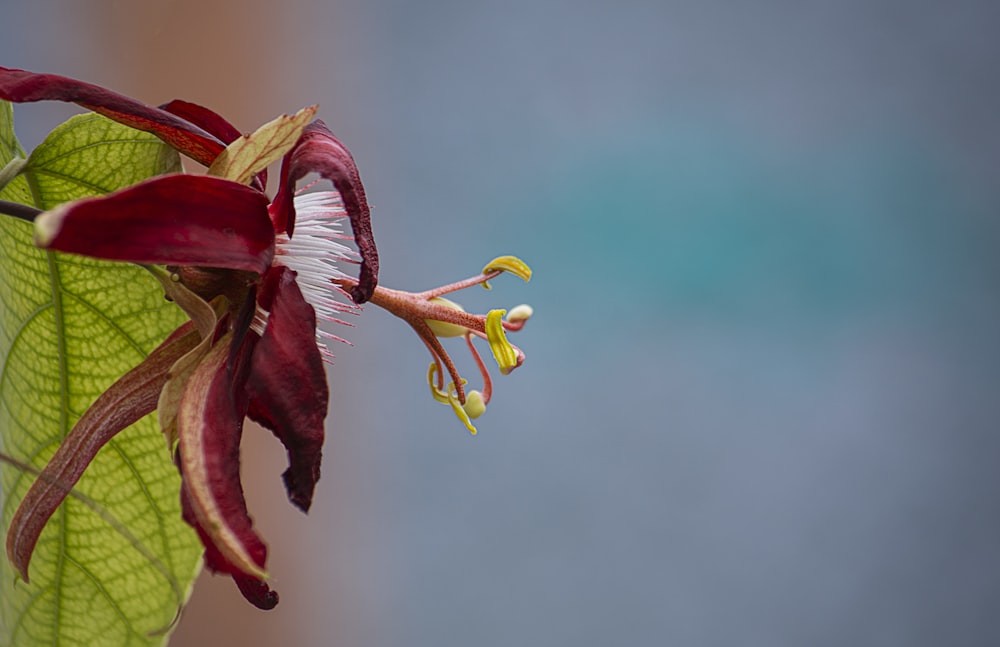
(503, 352)
(434, 317)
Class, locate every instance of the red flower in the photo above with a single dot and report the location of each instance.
(253, 276)
(251, 348)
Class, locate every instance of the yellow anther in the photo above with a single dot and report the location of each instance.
(474, 405)
(511, 264)
(522, 312)
(443, 328)
(436, 393)
(456, 406)
(503, 352)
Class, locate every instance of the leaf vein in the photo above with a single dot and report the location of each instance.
(105, 594)
(100, 144)
(17, 337)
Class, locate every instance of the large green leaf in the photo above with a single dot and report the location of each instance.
(115, 562)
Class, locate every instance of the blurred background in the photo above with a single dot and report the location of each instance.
(760, 402)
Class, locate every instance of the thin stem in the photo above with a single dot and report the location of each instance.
(487, 391)
(458, 285)
(22, 211)
(11, 170)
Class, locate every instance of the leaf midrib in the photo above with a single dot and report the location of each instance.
(58, 317)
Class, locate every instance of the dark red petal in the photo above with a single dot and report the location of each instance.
(209, 428)
(319, 151)
(127, 400)
(21, 86)
(213, 123)
(206, 119)
(287, 384)
(172, 220)
(255, 590)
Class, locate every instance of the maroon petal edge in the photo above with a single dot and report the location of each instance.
(21, 86)
(210, 426)
(319, 151)
(287, 384)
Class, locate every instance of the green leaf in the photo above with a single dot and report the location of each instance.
(250, 154)
(115, 562)
(17, 190)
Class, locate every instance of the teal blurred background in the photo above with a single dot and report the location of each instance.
(760, 401)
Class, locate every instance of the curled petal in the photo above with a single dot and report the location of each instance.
(21, 86)
(169, 220)
(287, 384)
(254, 589)
(209, 427)
(127, 400)
(319, 151)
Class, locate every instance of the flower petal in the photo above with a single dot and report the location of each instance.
(287, 384)
(204, 317)
(255, 590)
(127, 400)
(170, 220)
(206, 119)
(21, 86)
(319, 151)
(215, 124)
(209, 427)
(250, 154)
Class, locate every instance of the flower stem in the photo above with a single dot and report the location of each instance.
(22, 211)
(12, 169)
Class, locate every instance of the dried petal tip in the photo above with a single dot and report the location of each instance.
(48, 224)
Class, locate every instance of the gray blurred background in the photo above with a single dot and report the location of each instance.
(760, 402)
